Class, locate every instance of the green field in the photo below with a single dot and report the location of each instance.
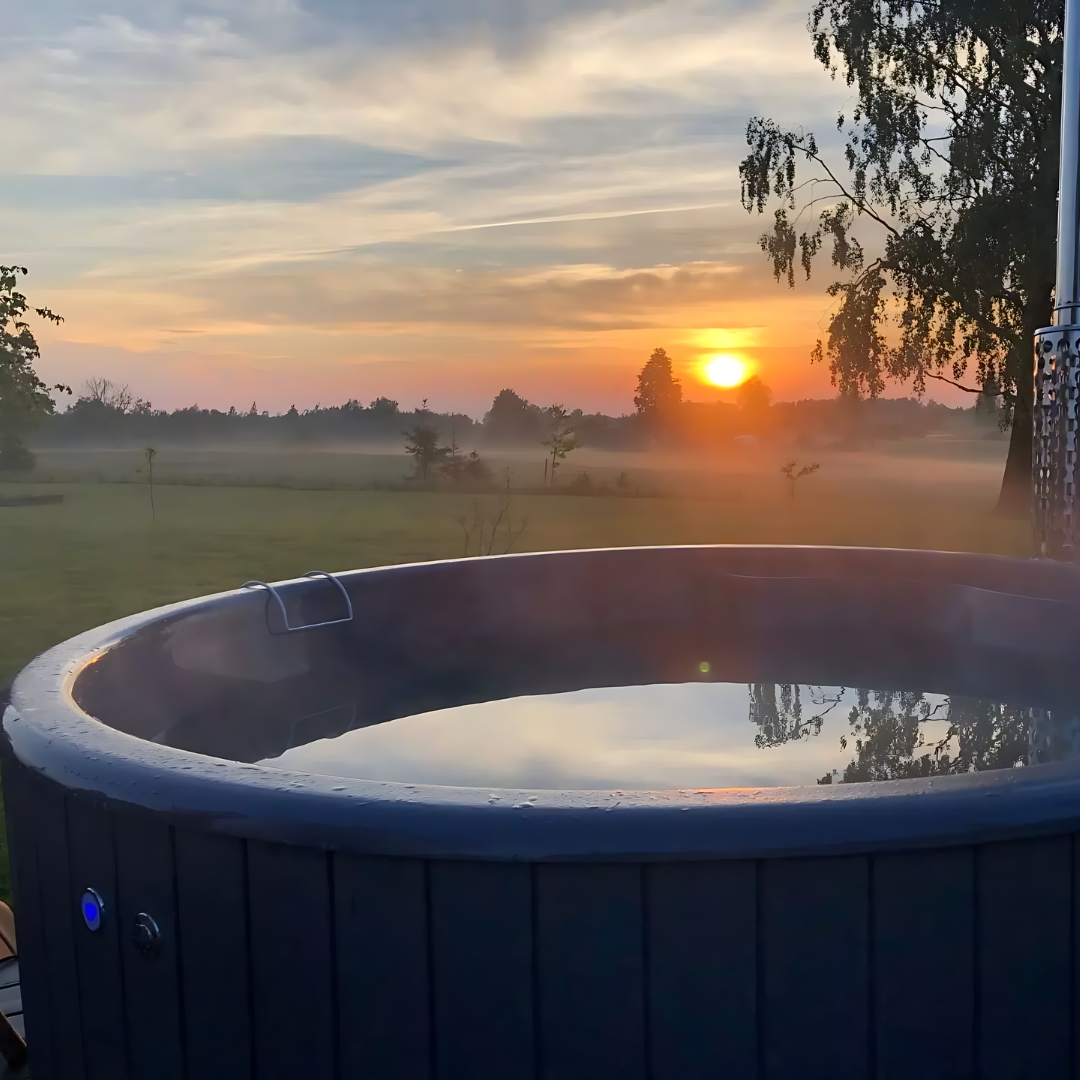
(99, 556)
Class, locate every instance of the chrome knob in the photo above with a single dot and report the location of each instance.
(146, 935)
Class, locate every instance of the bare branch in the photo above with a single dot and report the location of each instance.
(941, 378)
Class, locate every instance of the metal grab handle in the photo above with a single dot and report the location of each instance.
(306, 626)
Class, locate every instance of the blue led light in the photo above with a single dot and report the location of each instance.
(92, 909)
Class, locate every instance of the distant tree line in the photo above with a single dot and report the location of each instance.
(108, 413)
(105, 413)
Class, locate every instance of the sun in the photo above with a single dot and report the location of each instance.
(725, 370)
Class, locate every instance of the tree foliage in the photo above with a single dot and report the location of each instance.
(384, 406)
(119, 397)
(24, 398)
(659, 393)
(512, 419)
(432, 461)
(422, 443)
(794, 475)
(753, 397)
(463, 469)
(560, 440)
(899, 735)
(941, 218)
(891, 740)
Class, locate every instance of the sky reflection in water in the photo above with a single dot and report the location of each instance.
(690, 735)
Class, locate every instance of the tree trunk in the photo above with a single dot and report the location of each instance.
(1014, 501)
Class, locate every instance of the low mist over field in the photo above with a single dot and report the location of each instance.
(736, 451)
(970, 468)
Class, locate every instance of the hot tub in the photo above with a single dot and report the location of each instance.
(203, 892)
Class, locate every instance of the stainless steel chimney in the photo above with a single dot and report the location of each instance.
(1057, 347)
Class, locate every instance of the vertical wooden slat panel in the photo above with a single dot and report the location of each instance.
(212, 911)
(101, 982)
(383, 983)
(924, 956)
(590, 967)
(814, 968)
(291, 962)
(1025, 923)
(144, 870)
(60, 918)
(481, 928)
(702, 969)
(21, 807)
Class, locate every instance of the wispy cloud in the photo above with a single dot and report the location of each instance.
(567, 167)
(127, 96)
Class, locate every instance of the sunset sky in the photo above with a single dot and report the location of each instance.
(318, 200)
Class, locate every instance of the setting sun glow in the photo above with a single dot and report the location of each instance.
(725, 370)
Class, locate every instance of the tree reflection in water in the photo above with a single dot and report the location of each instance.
(900, 734)
(776, 708)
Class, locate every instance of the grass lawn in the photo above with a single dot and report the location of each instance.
(99, 556)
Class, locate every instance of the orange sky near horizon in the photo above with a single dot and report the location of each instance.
(219, 362)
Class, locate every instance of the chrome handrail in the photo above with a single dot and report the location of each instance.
(281, 605)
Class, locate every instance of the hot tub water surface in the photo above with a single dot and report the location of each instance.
(702, 734)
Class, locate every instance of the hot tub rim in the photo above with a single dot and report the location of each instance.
(45, 731)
